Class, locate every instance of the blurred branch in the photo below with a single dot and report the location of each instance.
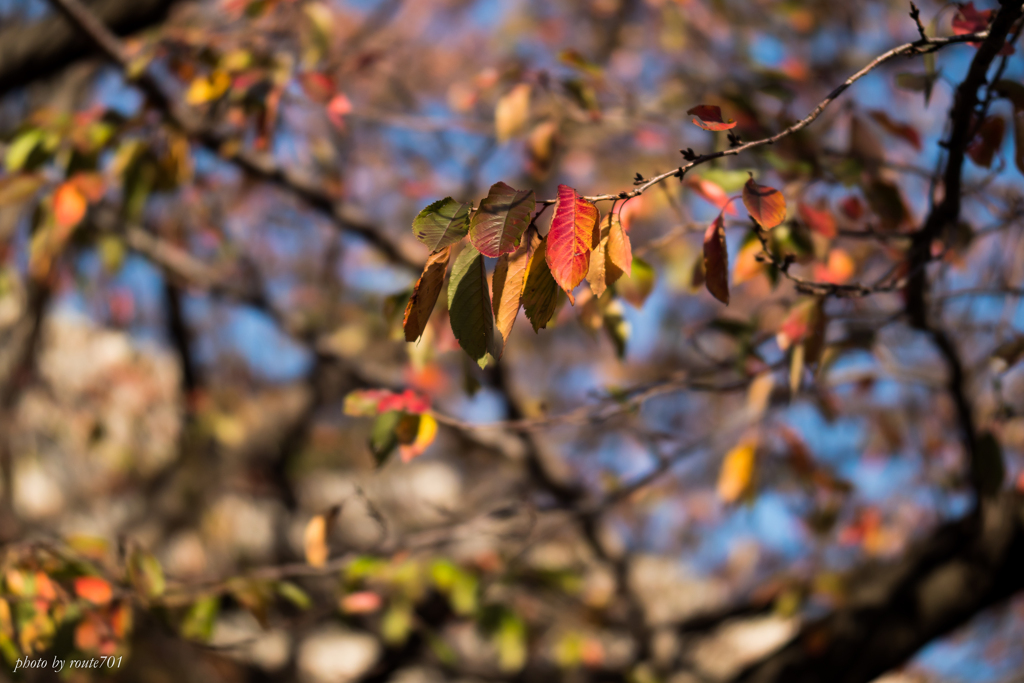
(261, 166)
(893, 610)
(37, 50)
(945, 215)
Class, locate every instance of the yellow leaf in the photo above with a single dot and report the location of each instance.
(315, 538)
(512, 112)
(425, 433)
(737, 472)
(207, 88)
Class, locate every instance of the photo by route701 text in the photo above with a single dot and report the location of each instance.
(58, 664)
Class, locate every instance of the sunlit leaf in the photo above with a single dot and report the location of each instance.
(716, 260)
(500, 221)
(469, 304)
(765, 204)
(205, 89)
(509, 280)
(712, 192)
(709, 117)
(746, 266)
(442, 224)
(571, 239)
(541, 290)
(424, 295)
(69, 205)
(21, 148)
(512, 113)
(426, 431)
(316, 537)
(612, 257)
(737, 474)
(94, 589)
(200, 618)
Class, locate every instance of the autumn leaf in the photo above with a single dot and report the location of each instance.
(613, 256)
(746, 266)
(819, 220)
(512, 112)
(69, 205)
(424, 295)
(94, 589)
(501, 220)
(737, 473)
(712, 192)
(416, 442)
(638, 286)
(716, 260)
(709, 117)
(987, 141)
(539, 293)
(337, 109)
(361, 602)
(572, 237)
(903, 131)
(208, 88)
(19, 187)
(469, 304)
(442, 224)
(508, 282)
(765, 204)
(315, 538)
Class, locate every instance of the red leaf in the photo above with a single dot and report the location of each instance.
(969, 20)
(371, 402)
(573, 235)
(709, 117)
(361, 602)
(852, 207)
(337, 108)
(711, 192)
(94, 589)
(820, 220)
(716, 261)
(987, 141)
(499, 223)
(765, 204)
(904, 131)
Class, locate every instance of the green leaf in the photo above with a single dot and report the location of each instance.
(293, 594)
(469, 304)
(510, 641)
(541, 291)
(501, 220)
(146, 574)
(638, 286)
(198, 623)
(382, 436)
(21, 149)
(442, 224)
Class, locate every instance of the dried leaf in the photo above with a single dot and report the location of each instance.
(540, 291)
(709, 117)
(512, 112)
(765, 204)
(737, 473)
(424, 296)
(509, 280)
(716, 260)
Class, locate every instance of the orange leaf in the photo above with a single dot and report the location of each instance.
(737, 473)
(424, 296)
(716, 261)
(820, 220)
(87, 634)
(315, 538)
(508, 283)
(337, 108)
(765, 204)
(94, 589)
(361, 602)
(747, 266)
(709, 117)
(44, 587)
(573, 235)
(69, 205)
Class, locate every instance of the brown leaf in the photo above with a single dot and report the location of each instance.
(716, 261)
(765, 204)
(987, 141)
(424, 296)
(509, 280)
